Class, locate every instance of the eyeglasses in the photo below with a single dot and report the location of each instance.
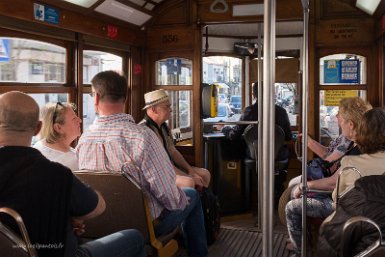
(54, 116)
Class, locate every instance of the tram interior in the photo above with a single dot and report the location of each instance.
(221, 44)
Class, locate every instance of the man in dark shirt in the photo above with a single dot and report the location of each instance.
(251, 114)
(52, 202)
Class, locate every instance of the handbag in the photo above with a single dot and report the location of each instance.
(318, 168)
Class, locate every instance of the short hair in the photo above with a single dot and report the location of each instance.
(14, 120)
(353, 109)
(47, 114)
(371, 133)
(110, 86)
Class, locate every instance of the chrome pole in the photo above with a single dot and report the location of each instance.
(305, 101)
(268, 124)
(260, 119)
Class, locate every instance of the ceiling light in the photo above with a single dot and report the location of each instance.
(368, 6)
(84, 3)
(123, 12)
(248, 10)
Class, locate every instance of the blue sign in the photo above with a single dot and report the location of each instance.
(4, 50)
(350, 71)
(331, 71)
(342, 71)
(46, 13)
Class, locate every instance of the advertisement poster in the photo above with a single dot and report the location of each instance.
(342, 71)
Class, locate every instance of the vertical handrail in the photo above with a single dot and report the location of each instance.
(260, 119)
(268, 123)
(305, 89)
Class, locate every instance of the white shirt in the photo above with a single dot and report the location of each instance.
(66, 158)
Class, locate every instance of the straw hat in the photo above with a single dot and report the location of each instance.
(154, 97)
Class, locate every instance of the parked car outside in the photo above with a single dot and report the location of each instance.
(224, 113)
(236, 103)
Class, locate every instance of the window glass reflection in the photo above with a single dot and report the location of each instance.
(31, 61)
(97, 61)
(173, 71)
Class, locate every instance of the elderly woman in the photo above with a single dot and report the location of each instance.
(351, 111)
(371, 141)
(61, 126)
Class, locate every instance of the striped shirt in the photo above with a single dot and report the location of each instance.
(113, 142)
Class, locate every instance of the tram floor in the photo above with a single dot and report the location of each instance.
(240, 237)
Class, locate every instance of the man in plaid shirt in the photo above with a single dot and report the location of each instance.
(114, 142)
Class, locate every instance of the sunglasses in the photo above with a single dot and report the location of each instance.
(54, 116)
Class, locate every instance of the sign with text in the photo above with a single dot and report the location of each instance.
(4, 50)
(333, 97)
(341, 71)
(350, 71)
(46, 13)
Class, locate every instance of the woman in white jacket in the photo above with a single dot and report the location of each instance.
(61, 126)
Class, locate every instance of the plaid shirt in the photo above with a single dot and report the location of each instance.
(113, 142)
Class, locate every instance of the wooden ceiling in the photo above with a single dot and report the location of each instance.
(138, 13)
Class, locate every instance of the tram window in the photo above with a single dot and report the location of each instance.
(88, 111)
(173, 71)
(344, 69)
(286, 97)
(175, 75)
(226, 72)
(97, 61)
(329, 102)
(180, 122)
(31, 61)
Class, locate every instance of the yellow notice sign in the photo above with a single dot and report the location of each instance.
(333, 97)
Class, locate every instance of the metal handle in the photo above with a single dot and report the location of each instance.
(19, 220)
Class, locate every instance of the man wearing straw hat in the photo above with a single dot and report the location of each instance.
(158, 110)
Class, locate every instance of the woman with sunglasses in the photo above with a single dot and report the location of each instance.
(61, 126)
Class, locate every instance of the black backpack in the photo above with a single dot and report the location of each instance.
(210, 207)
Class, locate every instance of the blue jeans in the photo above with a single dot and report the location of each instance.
(315, 208)
(192, 221)
(125, 243)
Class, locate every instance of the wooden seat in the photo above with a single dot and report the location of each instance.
(126, 208)
(11, 244)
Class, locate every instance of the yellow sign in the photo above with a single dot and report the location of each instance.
(333, 97)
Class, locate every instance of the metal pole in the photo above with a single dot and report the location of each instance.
(260, 119)
(305, 101)
(247, 81)
(268, 124)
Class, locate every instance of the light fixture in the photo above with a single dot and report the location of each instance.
(123, 12)
(84, 3)
(368, 6)
(247, 10)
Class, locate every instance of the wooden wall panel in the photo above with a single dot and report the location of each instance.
(23, 9)
(286, 70)
(170, 39)
(347, 31)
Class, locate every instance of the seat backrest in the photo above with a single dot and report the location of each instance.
(250, 135)
(279, 140)
(12, 244)
(125, 206)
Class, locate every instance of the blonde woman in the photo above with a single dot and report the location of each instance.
(351, 112)
(61, 126)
